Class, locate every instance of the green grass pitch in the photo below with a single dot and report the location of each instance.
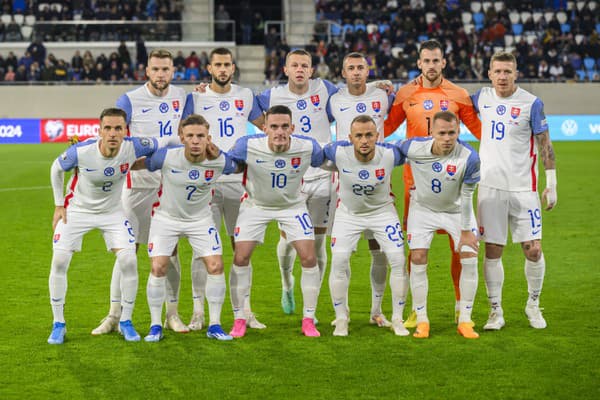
(518, 362)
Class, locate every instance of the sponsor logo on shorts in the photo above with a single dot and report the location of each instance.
(481, 230)
(236, 231)
(150, 247)
(56, 237)
(333, 241)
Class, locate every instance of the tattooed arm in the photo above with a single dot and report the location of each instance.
(549, 196)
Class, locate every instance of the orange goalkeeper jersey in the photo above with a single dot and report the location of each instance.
(417, 105)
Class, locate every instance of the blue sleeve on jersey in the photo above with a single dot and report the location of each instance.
(538, 118)
(143, 146)
(188, 109)
(399, 158)
(239, 151)
(317, 154)
(157, 160)
(124, 103)
(329, 151)
(391, 99)
(68, 160)
(330, 116)
(472, 168)
(331, 90)
(475, 100)
(403, 146)
(264, 99)
(256, 111)
(230, 165)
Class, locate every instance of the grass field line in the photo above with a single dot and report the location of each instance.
(23, 188)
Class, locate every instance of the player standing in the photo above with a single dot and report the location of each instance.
(153, 110)
(358, 98)
(417, 102)
(227, 108)
(308, 100)
(514, 127)
(94, 201)
(275, 163)
(445, 172)
(365, 172)
(188, 175)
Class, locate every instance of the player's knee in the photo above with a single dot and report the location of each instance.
(159, 266)
(340, 264)
(397, 263)
(60, 261)
(308, 260)
(493, 251)
(127, 261)
(241, 259)
(418, 256)
(214, 265)
(532, 250)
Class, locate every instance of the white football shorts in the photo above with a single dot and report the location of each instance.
(252, 223)
(226, 203)
(138, 205)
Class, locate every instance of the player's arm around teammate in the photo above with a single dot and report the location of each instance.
(446, 172)
(94, 201)
(365, 169)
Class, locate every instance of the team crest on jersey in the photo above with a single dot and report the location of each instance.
(380, 173)
(109, 171)
(296, 162)
(316, 100)
(363, 174)
(428, 104)
(150, 247)
(224, 105)
(436, 166)
(301, 104)
(279, 163)
(444, 104)
(451, 169)
(376, 106)
(239, 104)
(163, 108)
(332, 241)
(208, 175)
(56, 237)
(500, 110)
(194, 174)
(361, 107)
(124, 168)
(175, 104)
(515, 112)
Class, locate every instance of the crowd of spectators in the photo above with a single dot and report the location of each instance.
(35, 14)
(118, 66)
(545, 50)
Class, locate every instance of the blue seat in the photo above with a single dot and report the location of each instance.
(348, 28)
(598, 28)
(423, 38)
(576, 63)
(589, 63)
(517, 29)
(591, 75)
(478, 20)
(565, 28)
(383, 27)
(412, 74)
(580, 74)
(360, 26)
(336, 30)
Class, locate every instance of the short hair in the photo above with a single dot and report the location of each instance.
(193, 119)
(431, 44)
(298, 52)
(160, 53)
(222, 51)
(278, 109)
(354, 54)
(447, 116)
(113, 112)
(503, 56)
(362, 119)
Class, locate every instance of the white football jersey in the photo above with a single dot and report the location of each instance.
(98, 181)
(310, 112)
(508, 150)
(364, 188)
(273, 180)
(439, 179)
(152, 116)
(186, 186)
(345, 107)
(227, 114)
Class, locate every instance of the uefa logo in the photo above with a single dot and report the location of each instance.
(54, 129)
(569, 127)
